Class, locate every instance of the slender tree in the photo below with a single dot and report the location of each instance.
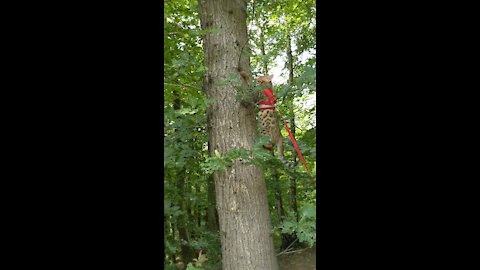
(212, 217)
(262, 45)
(293, 184)
(186, 252)
(241, 195)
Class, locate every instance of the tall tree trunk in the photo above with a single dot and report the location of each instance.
(241, 193)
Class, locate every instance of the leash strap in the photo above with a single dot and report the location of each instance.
(295, 145)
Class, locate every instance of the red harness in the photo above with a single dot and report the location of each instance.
(270, 100)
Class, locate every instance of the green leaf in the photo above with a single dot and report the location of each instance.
(309, 211)
(288, 227)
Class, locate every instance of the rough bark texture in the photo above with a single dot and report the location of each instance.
(241, 193)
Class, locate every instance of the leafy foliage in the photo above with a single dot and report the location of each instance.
(305, 228)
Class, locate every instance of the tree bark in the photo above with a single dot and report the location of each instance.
(241, 195)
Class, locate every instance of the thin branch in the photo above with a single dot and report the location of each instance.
(288, 248)
(289, 252)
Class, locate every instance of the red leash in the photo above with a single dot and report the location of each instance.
(295, 144)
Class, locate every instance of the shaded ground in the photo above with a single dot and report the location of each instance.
(301, 260)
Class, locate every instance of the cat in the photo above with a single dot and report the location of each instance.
(268, 119)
